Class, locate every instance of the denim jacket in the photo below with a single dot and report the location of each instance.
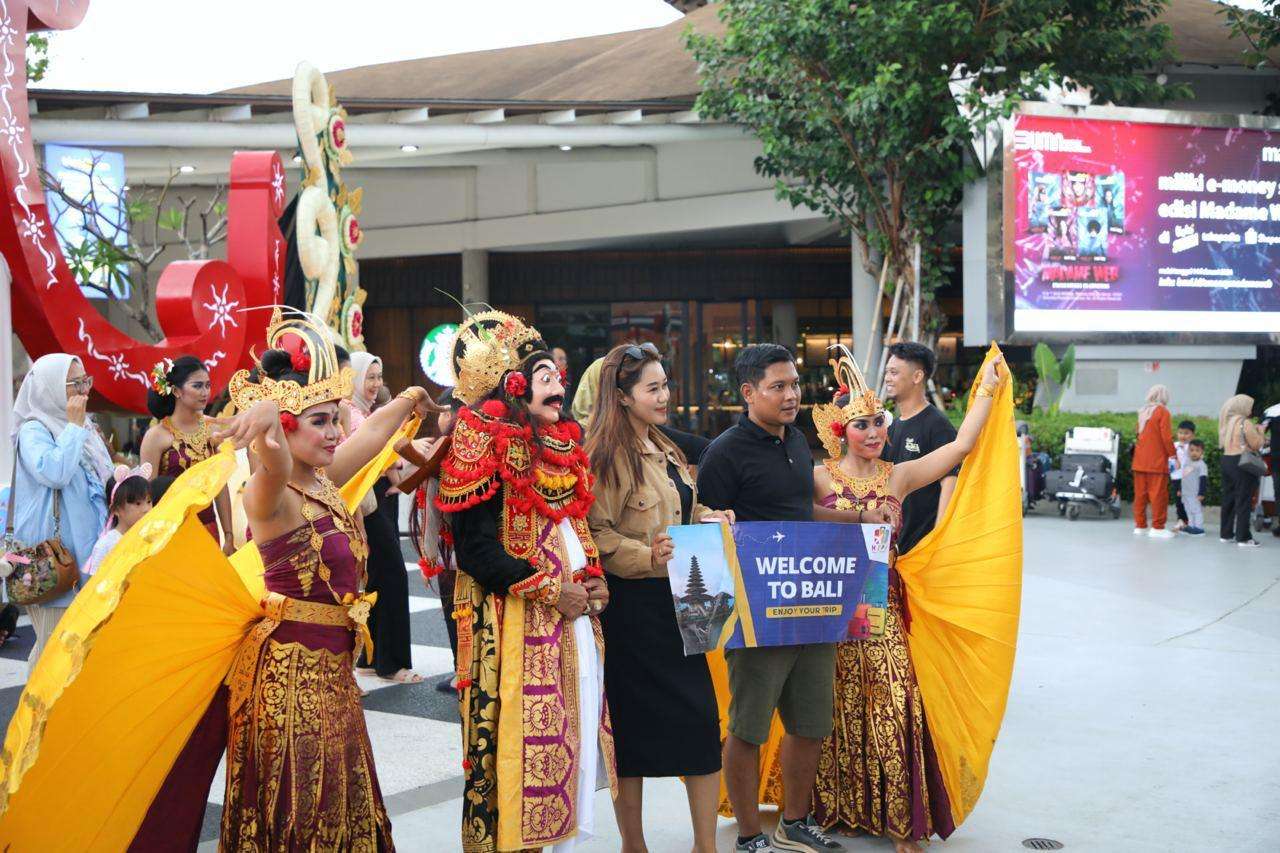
(45, 465)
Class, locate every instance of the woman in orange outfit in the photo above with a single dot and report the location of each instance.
(1151, 464)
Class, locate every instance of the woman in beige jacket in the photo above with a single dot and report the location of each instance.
(663, 705)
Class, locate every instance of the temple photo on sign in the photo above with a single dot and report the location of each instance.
(701, 586)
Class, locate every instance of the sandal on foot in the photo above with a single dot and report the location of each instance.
(404, 676)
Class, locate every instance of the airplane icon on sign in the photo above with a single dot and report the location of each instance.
(779, 536)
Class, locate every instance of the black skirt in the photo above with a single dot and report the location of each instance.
(662, 704)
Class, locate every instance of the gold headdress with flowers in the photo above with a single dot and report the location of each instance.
(830, 419)
(488, 346)
(313, 353)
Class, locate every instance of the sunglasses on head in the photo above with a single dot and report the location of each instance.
(637, 351)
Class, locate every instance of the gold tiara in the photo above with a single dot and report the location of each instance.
(488, 346)
(326, 382)
(831, 419)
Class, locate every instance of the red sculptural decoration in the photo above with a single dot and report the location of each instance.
(200, 305)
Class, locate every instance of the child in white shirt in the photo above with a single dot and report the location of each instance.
(1195, 481)
(1186, 432)
(128, 500)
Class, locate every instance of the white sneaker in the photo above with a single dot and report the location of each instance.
(1139, 531)
(1225, 541)
(1252, 543)
(1162, 534)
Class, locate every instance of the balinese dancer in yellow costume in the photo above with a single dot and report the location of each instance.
(173, 654)
(515, 488)
(917, 709)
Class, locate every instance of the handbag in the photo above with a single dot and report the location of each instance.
(1250, 462)
(44, 571)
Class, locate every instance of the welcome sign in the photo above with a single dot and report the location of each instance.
(778, 583)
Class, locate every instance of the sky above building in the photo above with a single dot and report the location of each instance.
(189, 47)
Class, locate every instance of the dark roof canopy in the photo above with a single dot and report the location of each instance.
(646, 65)
(647, 70)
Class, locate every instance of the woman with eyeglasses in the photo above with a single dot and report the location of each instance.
(177, 399)
(663, 704)
(61, 473)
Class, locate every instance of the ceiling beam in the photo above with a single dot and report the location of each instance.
(284, 136)
(620, 117)
(414, 116)
(685, 117)
(126, 112)
(478, 117)
(235, 112)
(558, 117)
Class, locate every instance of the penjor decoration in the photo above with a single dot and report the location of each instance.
(328, 228)
(198, 303)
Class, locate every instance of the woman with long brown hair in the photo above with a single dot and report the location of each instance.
(1237, 433)
(665, 720)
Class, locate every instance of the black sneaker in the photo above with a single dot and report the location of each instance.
(758, 844)
(804, 836)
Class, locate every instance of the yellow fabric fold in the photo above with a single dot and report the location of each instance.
(964, 591)
(163, 618)
(162, 633)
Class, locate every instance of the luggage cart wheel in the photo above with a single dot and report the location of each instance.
(1115, 510)
(1062, 507)
(1073, 511)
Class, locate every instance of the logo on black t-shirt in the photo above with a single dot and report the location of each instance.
(912, 445)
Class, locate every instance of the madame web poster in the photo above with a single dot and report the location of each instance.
(1132, 226)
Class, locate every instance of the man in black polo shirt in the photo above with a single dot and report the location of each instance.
(918, 430)
(762, 469)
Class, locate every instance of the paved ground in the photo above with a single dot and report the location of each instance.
(1142, 715)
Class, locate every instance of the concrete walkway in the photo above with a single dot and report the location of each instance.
(1143, 715)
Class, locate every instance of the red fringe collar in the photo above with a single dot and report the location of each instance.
(558, 449)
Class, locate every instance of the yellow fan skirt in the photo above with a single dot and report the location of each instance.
(130, 670)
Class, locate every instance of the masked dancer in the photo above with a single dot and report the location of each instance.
(516, 488)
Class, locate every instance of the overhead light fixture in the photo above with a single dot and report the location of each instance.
(408, 149)
(186, 168)
(566, 147)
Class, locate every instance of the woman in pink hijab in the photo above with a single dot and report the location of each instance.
(1151, 465)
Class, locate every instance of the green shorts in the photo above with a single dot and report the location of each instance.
(796, 681)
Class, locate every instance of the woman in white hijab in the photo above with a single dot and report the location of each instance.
(1236, 432)
(61, 455)
(389, 622)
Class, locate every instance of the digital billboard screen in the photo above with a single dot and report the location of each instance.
(1125, 226)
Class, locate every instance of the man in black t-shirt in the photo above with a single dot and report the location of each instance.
(918, 430)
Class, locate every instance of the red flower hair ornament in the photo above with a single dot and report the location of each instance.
(515, 384)
(301, 360)
(289, 421)
(837, 429)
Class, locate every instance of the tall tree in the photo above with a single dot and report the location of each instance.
(1260, 30)
(865, 109)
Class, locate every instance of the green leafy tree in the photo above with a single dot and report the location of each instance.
(37, 57)
(865, 110)
(1260, 30)
(124, 236)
